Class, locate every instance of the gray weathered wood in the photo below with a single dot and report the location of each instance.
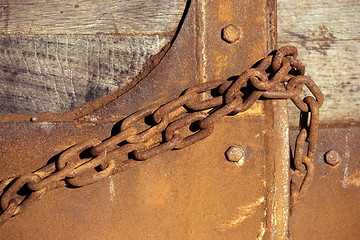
(57, 55)
(89, 17)
(57, 73)
(327, 34)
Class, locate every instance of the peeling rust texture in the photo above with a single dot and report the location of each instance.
(330, 210)
(192, 193)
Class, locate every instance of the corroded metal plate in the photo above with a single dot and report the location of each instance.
(193, 193)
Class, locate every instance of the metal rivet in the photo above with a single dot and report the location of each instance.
(332, 158)
(231, 33)
(33, 119)
(236, 154)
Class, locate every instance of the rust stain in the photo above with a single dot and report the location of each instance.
(221, 63)
(244, 212)
(153, 195)
(225, 12)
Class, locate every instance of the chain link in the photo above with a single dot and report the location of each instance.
(278, 76)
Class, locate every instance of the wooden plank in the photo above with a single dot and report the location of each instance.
(57, 55)
(89, 17)
(327, 34)
(307, 19)
(57, 73)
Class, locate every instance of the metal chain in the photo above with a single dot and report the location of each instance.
(278, 76)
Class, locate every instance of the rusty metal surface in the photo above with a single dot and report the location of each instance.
(277, 167)
(177, 124)
(218, 58)
(277, 142)
(330, 210)
(193, 193)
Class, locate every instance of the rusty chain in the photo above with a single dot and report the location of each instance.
(278, 76)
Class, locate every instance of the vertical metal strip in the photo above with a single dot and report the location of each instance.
(277, 145)
(278, 167)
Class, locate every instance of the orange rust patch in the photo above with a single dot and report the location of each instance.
(225, 12)
(151, 194)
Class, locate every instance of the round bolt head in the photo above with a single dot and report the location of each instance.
(236, 154)
(332, 158)
(231, 33)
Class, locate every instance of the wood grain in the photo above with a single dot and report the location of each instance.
(327, 34)
(90, 17)
(57, 73)
(57, 55)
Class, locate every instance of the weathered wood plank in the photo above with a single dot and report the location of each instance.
(304, 19)
(57, 55)
(327, 34)
(57, 73)
(89, 17)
